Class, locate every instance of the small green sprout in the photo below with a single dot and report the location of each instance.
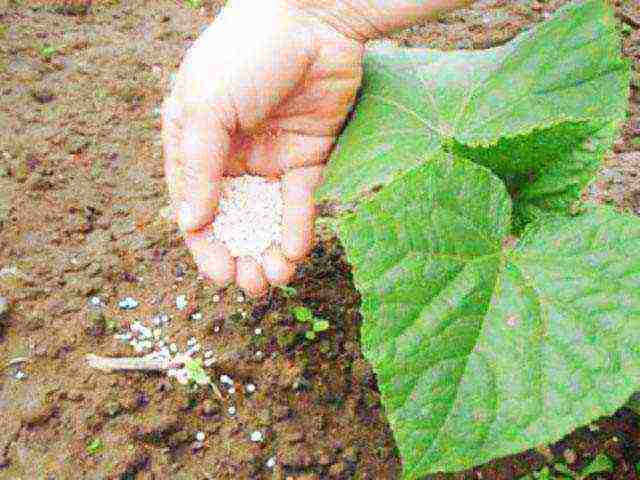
(288, 292)
(111, 325)
(48, 52)
(600, 464)
(95, 446)
(195, 372)
(304, 315)
(194, 3)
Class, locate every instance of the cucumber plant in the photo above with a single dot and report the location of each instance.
(499, 312)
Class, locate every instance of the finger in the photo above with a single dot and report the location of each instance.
(212, 258)
(271, 154)
(277, 268)
(250, 276)
(298, 212)
(204, 146)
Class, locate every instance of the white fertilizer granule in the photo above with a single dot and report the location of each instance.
(249, 218)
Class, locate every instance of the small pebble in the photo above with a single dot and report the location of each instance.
(136, 327)
(181, 302)
(145, 332)
(250, 388)
(20, 375)
(271, 462)
(196, 316)
(216, 298)
(182, 376)
(232, 391)
(197, 446)
(258, 354)
(200, 436)
(128, 303)
(216, 328)
(256, 436)
(258, 331)
(226, 379)
(94, 301)
(4, 306)
(231, 410)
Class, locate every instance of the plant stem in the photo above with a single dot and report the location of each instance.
(108, 364)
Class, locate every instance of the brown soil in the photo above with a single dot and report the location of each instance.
(81, 191)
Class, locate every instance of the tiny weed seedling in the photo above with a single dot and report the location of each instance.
(48, 52)
(194, 3)
(288, 292)
(95, 446)
(111, 325)
(317, 325)
(601, 464)
(195, 372)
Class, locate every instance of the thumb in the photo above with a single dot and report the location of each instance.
(203, 149)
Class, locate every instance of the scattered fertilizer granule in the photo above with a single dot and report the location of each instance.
(256, 436)
(128, 303)
(249, 216)
(181, 302)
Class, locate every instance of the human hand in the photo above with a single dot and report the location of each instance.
(264, 90)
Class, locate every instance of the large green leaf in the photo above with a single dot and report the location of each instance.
(561, 86)
(482, 350)
(546, 171)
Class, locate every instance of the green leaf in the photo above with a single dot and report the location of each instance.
(541, 111)
(562, 468)
(547, 171)
(320, 325)
(302, 314)
(195, 372)
(310, 335)
(481, 351)
(95, 446)
(287, 291)
(543, 474)
(602, 463)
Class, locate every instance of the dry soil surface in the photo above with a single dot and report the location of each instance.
(81, 196)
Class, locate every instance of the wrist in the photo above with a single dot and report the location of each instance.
(364, 20)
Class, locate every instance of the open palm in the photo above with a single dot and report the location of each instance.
(265, 99)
